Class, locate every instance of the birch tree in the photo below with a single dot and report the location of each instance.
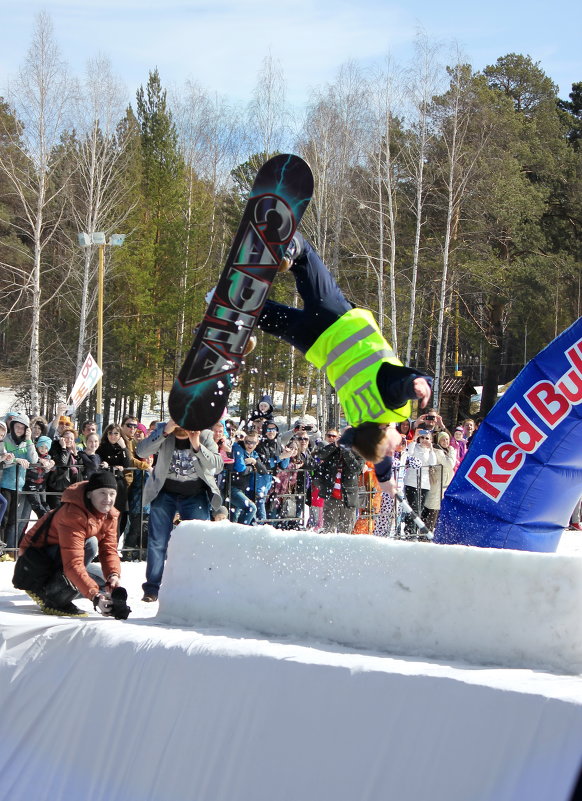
(332, 140)
(463, 133)
(99, 200)
(422, 86)
(267, 115)
(41, 97)
(374, 225)
(209, 142)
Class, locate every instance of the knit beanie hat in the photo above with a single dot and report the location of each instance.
(44, 441)
(102, 479)
(142, 428)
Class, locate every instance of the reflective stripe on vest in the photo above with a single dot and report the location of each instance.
(352, 366)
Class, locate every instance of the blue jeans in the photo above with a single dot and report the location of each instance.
(261, 508)
(3, 505)
(323, 304)
(162, 512)
(15, 507)
(244, 509)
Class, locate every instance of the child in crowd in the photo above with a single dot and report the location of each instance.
(263, 413)
(88, 459)
(220, 514)
(36, 479)
(459, 443)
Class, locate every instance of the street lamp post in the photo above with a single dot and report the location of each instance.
(99, 239)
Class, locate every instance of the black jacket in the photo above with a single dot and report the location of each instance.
(116, 456)
(333, 458)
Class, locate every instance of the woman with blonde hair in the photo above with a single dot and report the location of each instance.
(440, 475)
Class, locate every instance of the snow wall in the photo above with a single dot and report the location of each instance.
(482, 606)
(522, 476)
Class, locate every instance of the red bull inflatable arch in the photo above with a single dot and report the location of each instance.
(522, 476)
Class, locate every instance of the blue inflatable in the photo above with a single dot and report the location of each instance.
(522, 476)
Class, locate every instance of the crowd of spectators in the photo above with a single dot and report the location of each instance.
(249, 472)
(294, 479)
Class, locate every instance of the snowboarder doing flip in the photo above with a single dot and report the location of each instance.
(372, 385)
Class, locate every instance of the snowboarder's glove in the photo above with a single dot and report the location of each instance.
(103, 604)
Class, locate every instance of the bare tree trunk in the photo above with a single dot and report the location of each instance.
(307, 391)
(267, 112)
(99, 194)
(291, 385)
(422, 90)
(40, 97)
(493, 357)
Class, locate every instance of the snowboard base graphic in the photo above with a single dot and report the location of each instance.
(278, 198)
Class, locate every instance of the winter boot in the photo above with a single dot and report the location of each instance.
(294, 250)
(251, 345)
(57, 596)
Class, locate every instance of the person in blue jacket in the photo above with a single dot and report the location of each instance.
(247, 467)
(274, 455)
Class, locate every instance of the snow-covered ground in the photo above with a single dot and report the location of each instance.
(208, 709)
(8, 401)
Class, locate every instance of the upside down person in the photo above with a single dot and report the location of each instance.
(373, 386)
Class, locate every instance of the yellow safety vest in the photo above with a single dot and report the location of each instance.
(351, 351)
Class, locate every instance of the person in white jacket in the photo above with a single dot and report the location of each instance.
(440, 477)
(417, 476)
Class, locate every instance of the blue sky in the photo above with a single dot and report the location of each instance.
(220, 44)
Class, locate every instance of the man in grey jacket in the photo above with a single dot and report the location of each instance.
(183, 482)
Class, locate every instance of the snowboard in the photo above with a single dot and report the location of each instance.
(279, 196)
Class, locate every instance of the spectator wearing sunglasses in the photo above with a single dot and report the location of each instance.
(304, 459)
(275, 456)
(317, 501)
(303, 441)
(128, 427)
(307, 424)
(246, 468)
(417, 478)
(336, 478)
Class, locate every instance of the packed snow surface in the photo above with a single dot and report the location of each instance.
(144, 710)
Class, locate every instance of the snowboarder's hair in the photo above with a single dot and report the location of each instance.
(366, 439)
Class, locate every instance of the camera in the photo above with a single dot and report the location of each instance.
(430, 417)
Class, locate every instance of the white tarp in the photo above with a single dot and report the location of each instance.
(104, 710)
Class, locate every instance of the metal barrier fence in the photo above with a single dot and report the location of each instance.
(392, 518)
(289, 509)
(278, 505)
(18, 515)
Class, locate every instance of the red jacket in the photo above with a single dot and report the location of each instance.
(70, 526)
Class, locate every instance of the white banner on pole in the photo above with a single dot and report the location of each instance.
(86, 380)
